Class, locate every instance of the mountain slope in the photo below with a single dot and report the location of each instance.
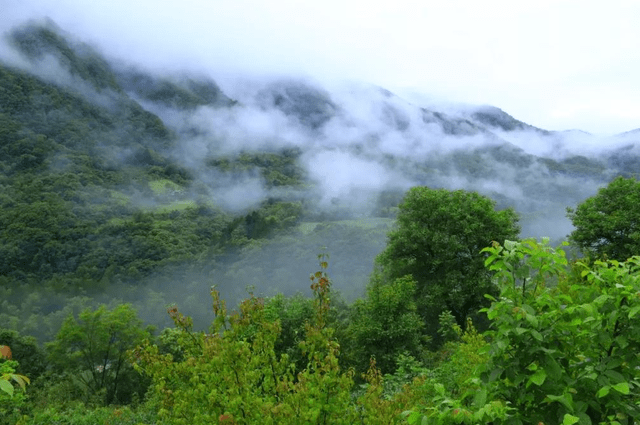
(112, 175)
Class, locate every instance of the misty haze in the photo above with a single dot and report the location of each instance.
(179, 240)
(339, 158)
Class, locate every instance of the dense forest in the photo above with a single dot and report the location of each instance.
(157, 237)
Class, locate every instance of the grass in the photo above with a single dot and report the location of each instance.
(365, 223)
(174, 206)
(162, 186)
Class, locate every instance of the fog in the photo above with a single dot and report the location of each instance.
(356, 142)
(553, 64)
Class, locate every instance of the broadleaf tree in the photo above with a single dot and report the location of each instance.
(385, 325)
(93, 349)
(562, 348)
(608, 223)
(572, 346)
(438, 239)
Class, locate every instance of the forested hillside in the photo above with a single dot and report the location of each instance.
(94, 198)
(125, 192)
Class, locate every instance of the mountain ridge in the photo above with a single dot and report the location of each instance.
(115, 177)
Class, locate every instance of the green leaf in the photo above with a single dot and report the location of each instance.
(537, 335)
(412, 416)
(480, 398)
(601, 299)
(495, 374)
(569, 419)
(538, 378)
(6, 387)
(633, 311)
(616, 376)
(564, 399)
(603, 391)
(622, 388)
(552, 367)
(490, 259)
(21, 380)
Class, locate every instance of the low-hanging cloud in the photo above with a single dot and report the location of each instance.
(357, 140)
(360, 147)
(373, 141)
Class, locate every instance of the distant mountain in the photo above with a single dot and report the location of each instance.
(630, 133)
(114, 176)
(310, 106)
(184, 93)
(497, 118)
(110, 172)
(39, 42)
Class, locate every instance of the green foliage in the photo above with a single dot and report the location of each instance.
(11, 402)
(578, 166)
(36, 41)
(408, 369)
(562, 346)
(447, 327)
(385, 324)
(25, 350)
(270, 217)
(234, 374)
(91, 199)
(79, 414)
(438, 240)
(186, 94)
(462, 358)
(277, 169)
(451, 392)
(608, 224)
(91, 350)
(293, 313)
(7, 376)
(572, 349)
(527, 266)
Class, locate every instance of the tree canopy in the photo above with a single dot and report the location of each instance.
(608, 223)
(438, 240)
(94, 347)
(385, 325)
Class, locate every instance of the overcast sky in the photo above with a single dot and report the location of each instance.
(553, 64)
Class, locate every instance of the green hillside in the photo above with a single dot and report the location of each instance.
(91, 196)
(170, 255)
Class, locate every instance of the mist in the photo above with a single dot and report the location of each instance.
(358, 140)
(358, 146)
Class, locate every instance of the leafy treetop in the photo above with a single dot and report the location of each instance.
(438, 240)
(608, 224)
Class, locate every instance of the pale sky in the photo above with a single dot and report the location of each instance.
(554, 64)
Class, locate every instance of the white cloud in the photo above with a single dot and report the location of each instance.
(530, 59)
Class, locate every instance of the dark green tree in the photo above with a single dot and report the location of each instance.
(92, 350)
(293, 313)
(438, 239)
(608, 223)
(26, 351)
(385, 325)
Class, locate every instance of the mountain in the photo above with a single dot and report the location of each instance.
(115, 177)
